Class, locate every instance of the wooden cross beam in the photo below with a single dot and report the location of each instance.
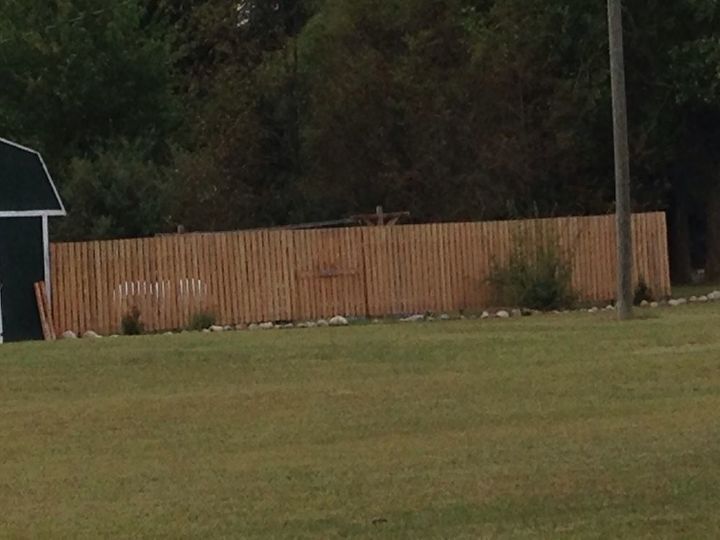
(380, 218)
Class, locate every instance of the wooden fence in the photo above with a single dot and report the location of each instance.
(274, 275)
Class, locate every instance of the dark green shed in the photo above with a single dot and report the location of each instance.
(28, 197)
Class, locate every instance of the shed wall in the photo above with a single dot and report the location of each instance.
(21, 265)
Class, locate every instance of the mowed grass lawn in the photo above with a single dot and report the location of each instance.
(569, 426)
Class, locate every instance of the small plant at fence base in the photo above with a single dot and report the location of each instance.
(201, 320)
(131, 323)
(643, 293)
(535, 277)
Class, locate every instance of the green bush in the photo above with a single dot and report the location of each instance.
(535, 277)
(201, 320)
(131, 323)
(643, 293)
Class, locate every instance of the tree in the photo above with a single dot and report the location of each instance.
(673, 94)
(75, 77)
(243, 155)
(455, 111)
(258, 113)
(119, 191)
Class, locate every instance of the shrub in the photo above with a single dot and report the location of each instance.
(201, 320)
(131, 323)
(643, 293)
(535, 277)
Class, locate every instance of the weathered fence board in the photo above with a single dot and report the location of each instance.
(255, 276)
(329, 273)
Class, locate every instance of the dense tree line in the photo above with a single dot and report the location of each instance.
(220, 114)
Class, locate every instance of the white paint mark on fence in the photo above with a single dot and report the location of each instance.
(187, 287)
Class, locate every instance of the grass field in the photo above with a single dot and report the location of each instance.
(568, 426)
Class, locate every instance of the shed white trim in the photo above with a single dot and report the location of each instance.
(46, 259)
(52, 185)
(16, 145)
(31, 213)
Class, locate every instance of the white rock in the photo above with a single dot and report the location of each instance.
(609, 308)
(240, 327)
(674, 302)
(216, 328)
(503, 314)
(485, 315)
(376, 321)
(654, 305)
(444, 317)
(594, 310)
(69, 334)
(703, 299)
(322, 323)
(266, 326)
(682, 301)
(693, 299)
(412, 318)
(287, 326)
(228, 328)
(253, 326)
(168, 334)
(338, 320)
(714, 296)
(311, 324)
(205, 330)
(644, 303)
(516, 313)
(91, 335)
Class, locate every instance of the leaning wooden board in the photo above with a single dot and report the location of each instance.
(46, 321)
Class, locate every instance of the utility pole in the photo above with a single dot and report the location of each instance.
(622, 162)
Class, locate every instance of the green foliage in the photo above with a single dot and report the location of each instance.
(535, 277)
(78, 78)
(201, 320)
(643, 293)
(255, 113)
(131, 323)
(75, 76)
(118, 192)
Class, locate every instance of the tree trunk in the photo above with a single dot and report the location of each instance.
(679, 236)
(712, 248)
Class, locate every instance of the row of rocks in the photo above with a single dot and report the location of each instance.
(675, 302)
(69, 334)
(339, 320)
